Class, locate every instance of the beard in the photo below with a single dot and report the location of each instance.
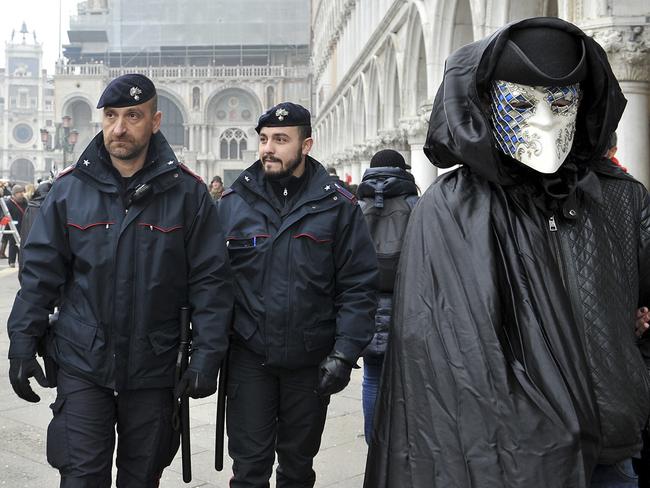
(286, 170)
(128, 151)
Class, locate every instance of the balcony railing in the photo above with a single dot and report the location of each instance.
(179, 72)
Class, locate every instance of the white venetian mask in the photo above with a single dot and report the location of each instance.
(533, 124)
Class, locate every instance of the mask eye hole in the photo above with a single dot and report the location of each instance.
(521, 104)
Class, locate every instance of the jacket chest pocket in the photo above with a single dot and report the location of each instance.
(242, 250)
(313, 248)
(90, 237)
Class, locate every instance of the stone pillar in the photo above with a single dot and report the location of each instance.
(423, 171)
(355, 171)
(627, 49)
(191, 136)
(204, 139)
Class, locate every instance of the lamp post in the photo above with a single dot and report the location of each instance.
(65, 138)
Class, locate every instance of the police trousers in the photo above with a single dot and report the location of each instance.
(269, 410)
(81, 435)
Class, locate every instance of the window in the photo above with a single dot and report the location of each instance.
(232, 144)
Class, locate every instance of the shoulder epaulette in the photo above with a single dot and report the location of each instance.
(66, 171)
(227, 192)
(190, 172)
(346, 193)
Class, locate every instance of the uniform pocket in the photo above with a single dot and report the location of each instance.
(75, 330)
(320, 337)
(164, 339)
(58, 454)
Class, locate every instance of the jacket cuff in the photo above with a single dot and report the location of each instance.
(22, 347)
(206, 364)
(346, 351)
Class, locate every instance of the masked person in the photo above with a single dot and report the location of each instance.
(125, 237)
(513, 361)
(305, 275)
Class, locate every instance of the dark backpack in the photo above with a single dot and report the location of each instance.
(387, 226)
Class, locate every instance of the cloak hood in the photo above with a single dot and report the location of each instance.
(459, 127)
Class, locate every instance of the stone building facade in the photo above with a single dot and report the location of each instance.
(214, 68)
(377, 65)
(26, 106)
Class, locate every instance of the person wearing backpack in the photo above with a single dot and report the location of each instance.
(387, 194)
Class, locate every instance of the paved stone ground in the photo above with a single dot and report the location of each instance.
(23, 427)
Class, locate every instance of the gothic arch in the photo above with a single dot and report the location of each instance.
(22, 170)
(373, 101)
(220, 100)
(360, 112)
(415, 76)
(173, 122)
(391, 94)
(177, 101)
(82, 121)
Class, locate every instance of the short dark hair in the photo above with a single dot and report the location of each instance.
(154, 104)
(304, 131)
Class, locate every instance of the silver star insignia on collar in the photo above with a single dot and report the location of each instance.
(170, 162)
(135, 92)
(86, 162)
(327, 187)
(281, 113)
(247, 178)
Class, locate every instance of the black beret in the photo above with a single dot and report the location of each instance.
(542, 56)
(285, 114)
(127, 91)
(388, 158)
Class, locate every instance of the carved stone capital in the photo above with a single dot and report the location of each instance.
(628, 50)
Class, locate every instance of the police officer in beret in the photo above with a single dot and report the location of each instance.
(126, 236)
(305, 277)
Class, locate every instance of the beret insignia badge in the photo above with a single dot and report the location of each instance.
(281, 113)
(135, 92)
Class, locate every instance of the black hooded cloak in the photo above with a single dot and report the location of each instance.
(486, 381)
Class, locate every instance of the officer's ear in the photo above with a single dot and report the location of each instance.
(157, 120)
(306, 145)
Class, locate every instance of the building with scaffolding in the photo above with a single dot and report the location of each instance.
(217, 66)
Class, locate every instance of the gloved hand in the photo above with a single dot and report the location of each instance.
(195, 384)
(334, 374)
(20, 370)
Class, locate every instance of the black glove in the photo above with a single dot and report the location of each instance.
(196, 385)
(334, 374)
(20, 370)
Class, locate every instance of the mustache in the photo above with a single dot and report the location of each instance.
(272, 159)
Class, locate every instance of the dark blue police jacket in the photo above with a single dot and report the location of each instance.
(120, 275)
(305, 283)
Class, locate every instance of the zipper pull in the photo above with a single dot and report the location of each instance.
(552, 226)
(285, 192)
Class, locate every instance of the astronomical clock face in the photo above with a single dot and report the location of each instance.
(23, 133)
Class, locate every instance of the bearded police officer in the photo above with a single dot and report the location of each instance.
(124, 239)
(305, 278)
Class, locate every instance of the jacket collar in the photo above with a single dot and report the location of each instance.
(95, 164)
(319, 186)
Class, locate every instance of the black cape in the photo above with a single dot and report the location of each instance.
(485, 382)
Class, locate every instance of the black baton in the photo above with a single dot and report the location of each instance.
(183, 355)
(221, 414)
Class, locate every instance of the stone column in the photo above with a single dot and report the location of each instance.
(204, 139)
(355, 171)
(191, 137)
(628, 50)
(423, 171)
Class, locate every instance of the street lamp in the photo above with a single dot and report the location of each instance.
(64, 139)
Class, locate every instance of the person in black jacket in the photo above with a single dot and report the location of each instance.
(33, 207)
(387, 194)
(125, 238)
(513, 361)
(17, 205)
(305, 275)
